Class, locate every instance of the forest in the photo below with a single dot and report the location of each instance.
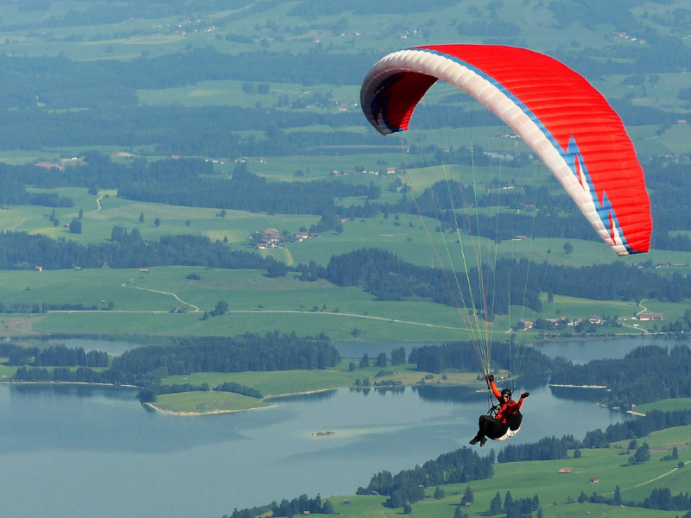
(462, 465)
(517, 282)
(248, 352)
(146, 366)
(644, 375)
(22, 251)
(53, 356)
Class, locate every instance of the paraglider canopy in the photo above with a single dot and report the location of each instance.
(563, 119)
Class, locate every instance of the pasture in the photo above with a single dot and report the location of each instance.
(207, 402)
(279, 383)
(666, 405)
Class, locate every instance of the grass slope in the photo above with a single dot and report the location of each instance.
(526, 479)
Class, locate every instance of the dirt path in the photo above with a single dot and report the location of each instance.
(196, 309)
(655, 479)
(253, 311)
(640, 305)
(349, 315)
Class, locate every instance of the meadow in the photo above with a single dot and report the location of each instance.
(280, 383)
(207, 402)
(665, 405)
(142, 304)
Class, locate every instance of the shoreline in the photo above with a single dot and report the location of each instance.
(210, 412)
(12, 382)
(579, 386)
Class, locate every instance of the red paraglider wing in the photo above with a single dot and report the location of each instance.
(568, 124)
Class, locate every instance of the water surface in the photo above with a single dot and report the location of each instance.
(79, 451)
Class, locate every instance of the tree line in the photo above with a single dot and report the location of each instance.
(462, 465)
(43, 307)
(646, 374)
(509, 281)
(54, 356)
(145, 367)
(248, 352)
(22, 251)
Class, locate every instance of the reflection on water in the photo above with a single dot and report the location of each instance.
(304, 398)
(615, 349)
(579, 394)
(79, 390)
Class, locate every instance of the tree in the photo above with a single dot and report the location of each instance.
(56, 222)
(81, 213)
(52, 215)
(407, 509)
(508, 501)
(223, 213)
(76, 226)
(577, 453)
(277, 269)
(568, 248)
(188, 222)
(468, 497)
(458, 513)
(495, 506)
(221, 308)
(351, 367)
(582, 498)
(141, 218)
(205, 316)
(157, 222)
(675, 453)
(381, 360)
(616, 500)
(439, 493)
(364, 362)
(373, 192)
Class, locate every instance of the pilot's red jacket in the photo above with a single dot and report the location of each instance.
(507, 409)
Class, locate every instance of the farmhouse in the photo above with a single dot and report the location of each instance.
(563, 471)
(650, 316)
(525, 324)
(271, 235)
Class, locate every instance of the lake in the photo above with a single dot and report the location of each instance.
(80, 451)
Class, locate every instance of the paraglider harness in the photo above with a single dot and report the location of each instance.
(513, 421)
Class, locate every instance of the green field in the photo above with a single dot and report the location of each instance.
(142, 304)
(666, 405)
(277, 383)
(207, 402)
